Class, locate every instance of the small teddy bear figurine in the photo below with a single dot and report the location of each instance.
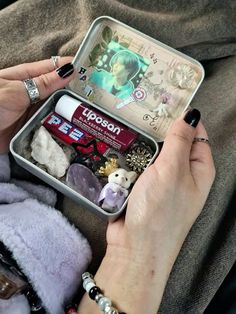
(114, 193)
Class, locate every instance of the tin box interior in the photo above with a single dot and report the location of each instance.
(105, 39)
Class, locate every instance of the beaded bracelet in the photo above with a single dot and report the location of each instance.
(95, 293)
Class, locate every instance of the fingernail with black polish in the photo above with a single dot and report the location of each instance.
(65, 70)
(192, 117)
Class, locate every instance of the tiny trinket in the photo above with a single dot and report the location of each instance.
(114, 193)
(110, 166)
(91, 154)
(84, 181)
(138, 157)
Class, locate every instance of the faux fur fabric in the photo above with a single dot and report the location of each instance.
(51, 253)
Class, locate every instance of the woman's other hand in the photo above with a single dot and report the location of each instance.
(15, 105)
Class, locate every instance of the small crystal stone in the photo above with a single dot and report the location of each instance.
(84, 181)
(47, 152)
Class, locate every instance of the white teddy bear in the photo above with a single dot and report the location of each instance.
(114, 193)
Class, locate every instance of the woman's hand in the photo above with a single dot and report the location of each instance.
(167, 198)
(163, 205)
(15, 105)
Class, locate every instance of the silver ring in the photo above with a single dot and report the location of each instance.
(55, 61)
(201, 139)
(32, 90)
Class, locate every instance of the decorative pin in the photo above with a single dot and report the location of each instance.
(139, 157)
(182, 76)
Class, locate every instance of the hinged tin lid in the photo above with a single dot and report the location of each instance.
(134, 76)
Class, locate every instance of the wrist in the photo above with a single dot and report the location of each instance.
(134, 286)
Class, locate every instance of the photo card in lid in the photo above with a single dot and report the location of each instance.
(135, 77)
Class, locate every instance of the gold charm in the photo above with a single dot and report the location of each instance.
(110, 166)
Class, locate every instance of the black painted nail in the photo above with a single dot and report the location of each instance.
(65, 70)
(192, 117)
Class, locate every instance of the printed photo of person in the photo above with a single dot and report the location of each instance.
(119, 70)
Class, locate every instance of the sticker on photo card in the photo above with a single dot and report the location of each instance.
(125, 102)
(182, 76)
(88, 90)
(164, 106)
(139, 94)
(150, 119)
(119, 70)
(82, 76)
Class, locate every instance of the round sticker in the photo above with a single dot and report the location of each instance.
(139, 94)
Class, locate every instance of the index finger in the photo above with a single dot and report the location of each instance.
(33, 69)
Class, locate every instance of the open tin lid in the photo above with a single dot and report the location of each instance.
(135, 77)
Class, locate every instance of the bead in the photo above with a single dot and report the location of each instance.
(89, 286)
(71, 311)
(87, 275)
(98, 297)
(103, 303)
(93, 292)
(110, 310)
(86, 281)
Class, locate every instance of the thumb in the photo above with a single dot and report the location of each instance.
(49, 82)
(179, 139)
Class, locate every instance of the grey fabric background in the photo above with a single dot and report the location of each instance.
(36, 29)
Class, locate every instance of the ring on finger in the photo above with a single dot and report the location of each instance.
(201, 139)
(32, 90)
(55, 60)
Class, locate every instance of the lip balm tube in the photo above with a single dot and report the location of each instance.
(96, 123)
(69, 133)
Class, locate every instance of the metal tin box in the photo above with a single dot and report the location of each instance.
(129, 76)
